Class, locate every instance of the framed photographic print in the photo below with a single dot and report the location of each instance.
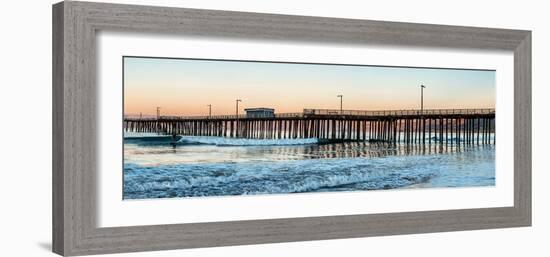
(182, 128)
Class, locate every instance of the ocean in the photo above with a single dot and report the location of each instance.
(160, 167)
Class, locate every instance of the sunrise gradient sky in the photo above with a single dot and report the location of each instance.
(186, 87)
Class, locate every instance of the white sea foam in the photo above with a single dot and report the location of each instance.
(315, 175)
(142, 134)
(224, 141)
(198, 167)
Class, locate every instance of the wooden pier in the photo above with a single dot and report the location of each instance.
(435, 126)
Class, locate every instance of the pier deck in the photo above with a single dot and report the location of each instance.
(462, 126)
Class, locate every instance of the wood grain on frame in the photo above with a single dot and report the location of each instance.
(74, 135)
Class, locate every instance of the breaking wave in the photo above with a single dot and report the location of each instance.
(154, 139)
(232, 178)
(224, 141)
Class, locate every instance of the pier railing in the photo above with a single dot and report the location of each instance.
(398, 112)
(328, 112)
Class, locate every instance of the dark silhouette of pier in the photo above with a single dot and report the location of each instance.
(442, 126)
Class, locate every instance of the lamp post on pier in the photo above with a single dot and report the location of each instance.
(422, 99)
(237, 117)
(209, 111)
(237, 108)
(422, 113)
(341, 101)
(158, 118)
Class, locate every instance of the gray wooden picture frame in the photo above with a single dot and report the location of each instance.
(75, 25)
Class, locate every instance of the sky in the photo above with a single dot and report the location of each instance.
(186, 87)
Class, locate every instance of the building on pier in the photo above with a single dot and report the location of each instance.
(260, 112)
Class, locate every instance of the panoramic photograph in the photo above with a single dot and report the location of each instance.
(212, 128)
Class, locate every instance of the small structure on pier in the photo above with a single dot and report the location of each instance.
(260, 112)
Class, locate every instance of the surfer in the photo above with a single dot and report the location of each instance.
(174, 140)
